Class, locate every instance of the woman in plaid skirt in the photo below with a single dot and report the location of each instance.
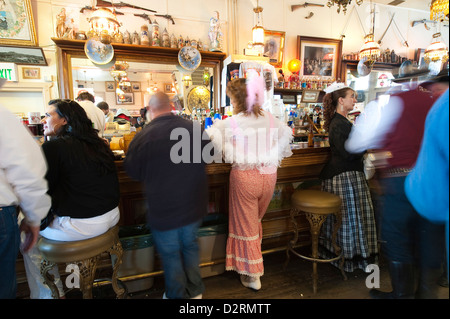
(344, 176)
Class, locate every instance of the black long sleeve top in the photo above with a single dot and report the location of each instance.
(78, 190)
(176, 192)
(341, 160)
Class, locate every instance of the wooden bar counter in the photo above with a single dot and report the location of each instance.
(305, 164)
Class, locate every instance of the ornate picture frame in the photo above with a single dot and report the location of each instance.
(274, 47)
(17, 23)
(319, 56)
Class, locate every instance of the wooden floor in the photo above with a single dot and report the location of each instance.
(293, 282)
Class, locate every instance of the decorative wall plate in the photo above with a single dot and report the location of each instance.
(189, 58)
(98, 52)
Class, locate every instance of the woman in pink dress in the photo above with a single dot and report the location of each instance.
(254, 142)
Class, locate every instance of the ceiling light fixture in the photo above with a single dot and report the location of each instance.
(104, 24)
(258, 29)
(439, 10)
(343, 4)
(370, 49)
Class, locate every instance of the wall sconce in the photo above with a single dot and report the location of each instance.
(104, 24)
(258, 30)
(187, 81)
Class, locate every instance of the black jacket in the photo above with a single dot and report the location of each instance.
(176, 192)
(341, 160)
(78, 190)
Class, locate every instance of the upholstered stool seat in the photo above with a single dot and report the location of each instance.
(316, 205)
(85, 254)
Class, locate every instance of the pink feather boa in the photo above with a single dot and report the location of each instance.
(255, 89)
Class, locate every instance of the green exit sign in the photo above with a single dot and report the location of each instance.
(8, 71)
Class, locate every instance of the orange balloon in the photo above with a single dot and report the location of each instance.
(294, 65)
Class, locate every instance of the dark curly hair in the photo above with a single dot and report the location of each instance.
(79, 130)
(330, 103)
(237, 89)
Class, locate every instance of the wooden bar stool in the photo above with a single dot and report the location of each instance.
(85, 254)
(317, 205)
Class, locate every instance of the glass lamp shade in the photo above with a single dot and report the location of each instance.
(104, 24)
(258, 35)
(439, 10)
(370, 49)
(294, 65)
(436, 51)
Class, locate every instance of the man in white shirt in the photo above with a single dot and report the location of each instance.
(22, 184)
(87, 100)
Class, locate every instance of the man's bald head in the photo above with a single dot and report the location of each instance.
(159, 104)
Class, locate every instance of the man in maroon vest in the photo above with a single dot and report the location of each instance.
(409, 242)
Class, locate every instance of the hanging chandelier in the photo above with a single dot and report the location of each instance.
(343, 4)
(436, 51)
(370, 49)
(439, 10)
(104, 24)
(258, 29)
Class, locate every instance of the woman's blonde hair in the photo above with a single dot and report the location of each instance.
(237, 89)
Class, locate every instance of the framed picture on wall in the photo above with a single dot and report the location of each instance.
(16, 23)
(136, 86)
(274, 47)
(125, 98)
(22, 55)
(319, 56)
(109, 86)
(168, 88)
(310, 96)
(31, 73)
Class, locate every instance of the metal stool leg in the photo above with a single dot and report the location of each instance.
(46, 266)
(316, 222)
(118, 251)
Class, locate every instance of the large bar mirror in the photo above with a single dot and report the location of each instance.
(145, 70)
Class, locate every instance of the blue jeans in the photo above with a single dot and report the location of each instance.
(407, 237)
(9, 248)
(179, 252)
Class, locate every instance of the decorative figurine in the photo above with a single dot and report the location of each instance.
(135, 38)
(173, 41)
(61, 23)
(165, 39)
(215, 33)
(126, 37)
(187, 42)
(155, 34)
(144, 35)
(118, 37)
(200, 45)
(180, 42)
